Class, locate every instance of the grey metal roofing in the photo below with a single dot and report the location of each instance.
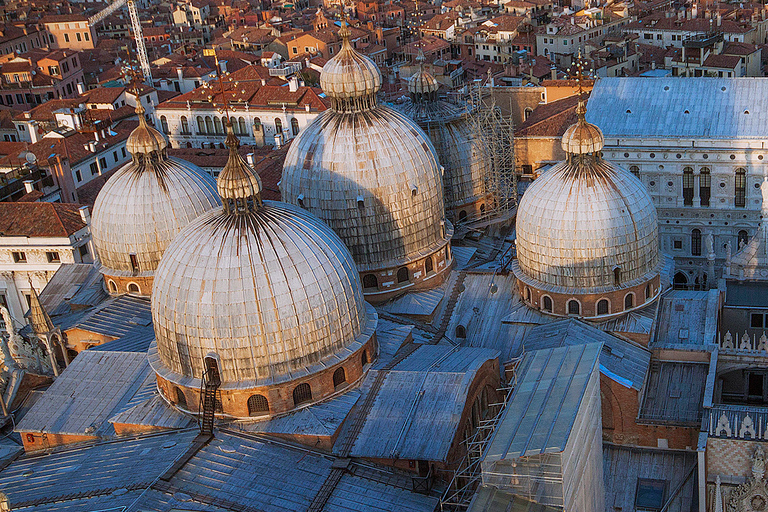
(675, 393)
(136, 339)
(746, 294)
(146, 407)
(540, 415)
(274, 476)
(639, 321)
(714, 108)
(623, 465)
(687, 319)
(417, 409)
(117, 316)
(490, 499)
(621, 360)
(78, 284)
(52, 478)
(94, 387)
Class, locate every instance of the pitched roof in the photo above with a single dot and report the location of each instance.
(550, 119)
(40, 219)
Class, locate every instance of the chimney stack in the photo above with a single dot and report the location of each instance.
(29, 186)
(85, 214)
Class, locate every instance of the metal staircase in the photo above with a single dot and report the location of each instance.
(208, 396)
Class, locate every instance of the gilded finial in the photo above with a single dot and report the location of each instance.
(576, 72)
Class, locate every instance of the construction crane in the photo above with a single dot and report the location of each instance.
(138, 33)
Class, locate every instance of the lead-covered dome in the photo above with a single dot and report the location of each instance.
(142, 207)
(265, 288)
(372, 175)
(349, 75)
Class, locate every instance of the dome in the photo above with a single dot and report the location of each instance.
(349, 74)
(237, 181)
(144, 139)
(374, 178)
(582, 137)
(422, 82)
(576, 226)
(266, 287)
(142, 207)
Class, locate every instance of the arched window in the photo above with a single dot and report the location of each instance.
(546, 304)
(256, 124)
(339, 377)
(688, 186)
(602, 307)
(527, 294)
(696, 242)
(217, 125)
(208, 124)
(705, 186)
(428, 267)
(295, 126)
(616, 276)
(680, 281)
(527, 113)
(462, 215)
(181, 398)
(243, 126)
(302, 393)
(278, 126)
(133, 288)
(164, 124)
(574, 308)
(257, 405)
(200, 125)
(648, 292)
(629, 301)
(740, 191)
(402, 275)
(743, 238)
(364, 358)
(461, 332)
(482, 208)
(370, 282)
(112, 286)
(184, 124)
(634, 170)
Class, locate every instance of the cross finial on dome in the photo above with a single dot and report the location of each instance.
(144, 140)
(344, 31)
(238, 184)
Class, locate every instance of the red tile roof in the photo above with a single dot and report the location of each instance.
(40, 219)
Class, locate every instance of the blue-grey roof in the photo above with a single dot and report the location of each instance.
(93, 388)
(675, 393)
(621, 360)
(118, 316)
(540, 414)
(73, 284)
(748, 294)
(656, 107)
(687, 320)
(417, 409)
(136, 339)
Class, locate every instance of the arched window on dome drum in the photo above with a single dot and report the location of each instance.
(164, 124)
(302, 393)
(181, 398)
(740, 192)
(688, 186)
(482, 208)
(634, 170)
(339, 377)
(648, 292)
(133, 288)
(616, 276)
(257, 405)
(629, 301)
(112, 286)
(705, 186)
(743, 238)
(546, 304)
(184, 125)
(403, 275)
(364, 359)
(428, 266)
(696, 242)
(462, 215)
(208, 124)
(370, 282)
(278, 126)
(602, 307)
(200, 125)
(527, 294)
(217, 126)
(243, 126)
(574, 308)
(295, 126)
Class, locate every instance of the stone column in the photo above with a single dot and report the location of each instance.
(696, 190)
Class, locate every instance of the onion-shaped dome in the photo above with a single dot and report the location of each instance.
(582, 137)
(373, 176)
(350, 79)
(422, 84)
(265, 286)
(144, 140)
(144, 205)
(585, 226)
(236, 181)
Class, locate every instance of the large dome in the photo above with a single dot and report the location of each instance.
(372, 175)
(143, 206)
(266, 287)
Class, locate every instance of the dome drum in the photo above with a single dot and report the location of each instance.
(261, 400)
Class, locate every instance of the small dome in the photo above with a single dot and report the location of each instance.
(582, 138)
(273, 293)
(349, 74)
(237, 181)
(144, 139)
(422, 82)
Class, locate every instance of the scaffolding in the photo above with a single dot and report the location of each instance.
(467, 475)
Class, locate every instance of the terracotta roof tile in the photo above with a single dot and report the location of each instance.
(40, 219)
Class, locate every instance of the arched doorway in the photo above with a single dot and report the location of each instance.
(680, 281)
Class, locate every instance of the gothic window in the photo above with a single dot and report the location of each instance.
(696, 242)
(278, 126)
(184, 124)
(295, 126)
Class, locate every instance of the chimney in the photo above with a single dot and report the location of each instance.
(573, 20)
(80, 88)
(249, 159)
(223, 65)
(180, 74)
(719, 19)
(293, 84)
(278, 140)
(553, 72)
(688, 14)
(29, 186)
(306, 107)
(85, 214)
